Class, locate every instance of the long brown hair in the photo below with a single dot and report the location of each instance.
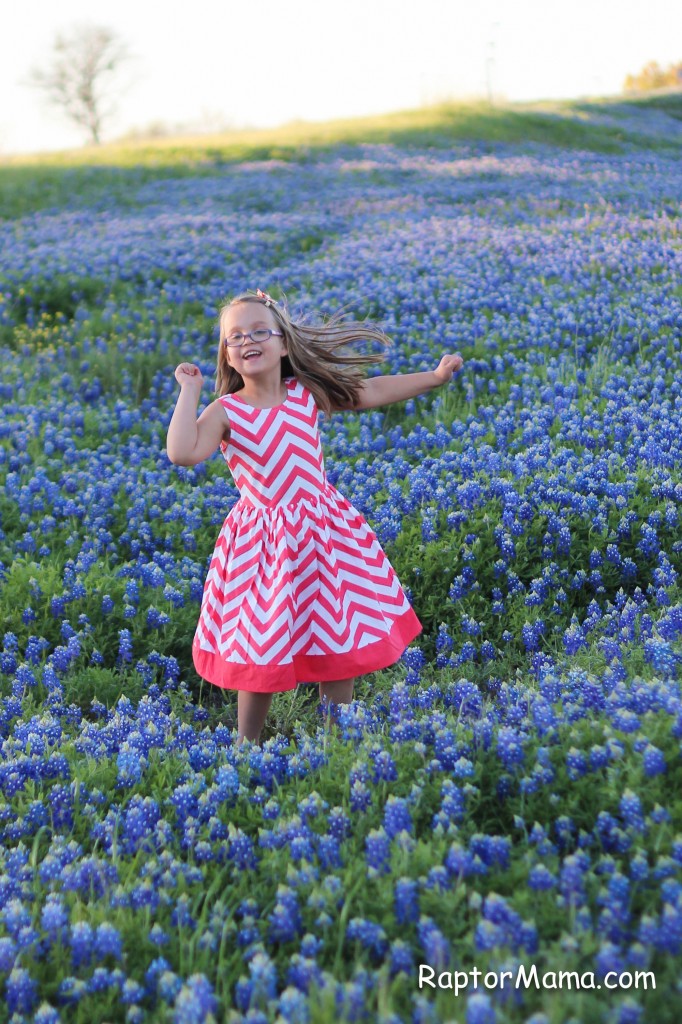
(334, 380)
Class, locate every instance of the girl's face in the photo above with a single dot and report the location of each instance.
(244, 318)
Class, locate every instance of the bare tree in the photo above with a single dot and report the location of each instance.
(80, 76)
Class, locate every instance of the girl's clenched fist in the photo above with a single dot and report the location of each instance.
(448, 365)
(189, 373)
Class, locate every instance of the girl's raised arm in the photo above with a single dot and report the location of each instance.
(386, 389)
(191, 440)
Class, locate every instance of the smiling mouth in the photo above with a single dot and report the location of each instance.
(252, 355)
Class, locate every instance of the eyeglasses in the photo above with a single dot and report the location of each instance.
(259, 336)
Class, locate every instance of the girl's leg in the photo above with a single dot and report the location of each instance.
(337, 691)
(252, 710)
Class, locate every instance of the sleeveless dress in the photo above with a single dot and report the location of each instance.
(298, 588)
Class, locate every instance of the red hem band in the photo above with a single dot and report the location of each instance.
(308, 668)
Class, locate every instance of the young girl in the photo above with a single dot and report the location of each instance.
(298, 588)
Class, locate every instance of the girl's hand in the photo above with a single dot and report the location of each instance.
(447, 366)
(188, 373)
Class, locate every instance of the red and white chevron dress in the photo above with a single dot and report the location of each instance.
(298, 589)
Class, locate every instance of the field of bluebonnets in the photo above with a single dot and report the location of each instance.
(508, 793)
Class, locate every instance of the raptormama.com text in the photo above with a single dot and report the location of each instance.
(458, 981)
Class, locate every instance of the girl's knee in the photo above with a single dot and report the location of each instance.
(251, 699)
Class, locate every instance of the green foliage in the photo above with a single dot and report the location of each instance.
(653, 76)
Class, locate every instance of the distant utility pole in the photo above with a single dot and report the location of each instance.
(490, 61)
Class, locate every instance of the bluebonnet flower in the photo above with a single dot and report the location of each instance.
(82, 941)
(406, 899)
(467, 653)
(470, 626)
(72, 990)
(156, 619)
(285, 921)
(263, 980)
(54, 917)
(46, 1014)
(302, 972)
(531, 634)
(487, 651)
(61, 807)
(574, 637)
(609, 958)
(130, 765)
(384, 767)
(378, 851)
(338, 823)
(661, 656)
(510, 748)
(226, 783)
(10, 642)
(631, 809)
(242, 849)
(396, 816)
(329, 852)
(452, 804)
(434, 945)
(301, 848)
(370, 935)
(16, 918)
(161, 979)
(24, 678)
(21, 991)
(491, 850)
(157, 936)
(572, 877)
(414, 658)
(131, 593)
(360, 796)
(401, 958)
(458, 861)
(654, 760)
(293, 1006)
(540, 877)
(35, 648)
(648, 543)
(195, 1001)
(444, 643)
(462, 768)
(576, 763)
(174, 596)
(125, 651)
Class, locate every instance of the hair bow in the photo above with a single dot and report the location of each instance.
(264, 295)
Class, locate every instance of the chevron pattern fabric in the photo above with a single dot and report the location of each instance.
(298, 588)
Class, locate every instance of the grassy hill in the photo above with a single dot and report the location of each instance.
(652, 121)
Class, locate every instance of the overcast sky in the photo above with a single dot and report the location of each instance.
(212, 64)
